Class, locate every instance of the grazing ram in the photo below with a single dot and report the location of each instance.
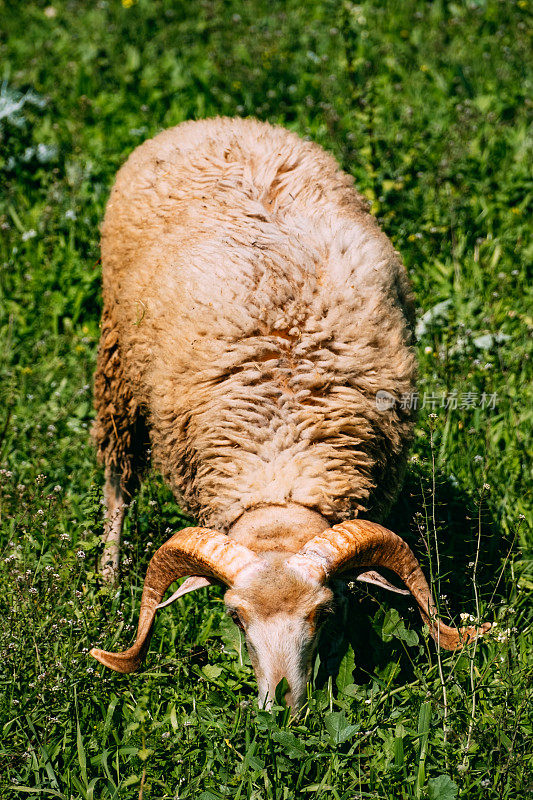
(253, 309)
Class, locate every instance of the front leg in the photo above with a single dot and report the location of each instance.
(115, 510)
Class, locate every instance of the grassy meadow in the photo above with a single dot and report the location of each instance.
(428, 105)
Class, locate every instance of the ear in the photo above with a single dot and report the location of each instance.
(378, 580)
(188, 585)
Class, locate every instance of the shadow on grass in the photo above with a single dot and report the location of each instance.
(359, 616)
(357, 620)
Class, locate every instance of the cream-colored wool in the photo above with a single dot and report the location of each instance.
(252, 310)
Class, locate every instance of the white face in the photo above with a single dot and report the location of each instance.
(281, 647)
(281, 616)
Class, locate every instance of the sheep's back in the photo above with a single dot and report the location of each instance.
(259, 310)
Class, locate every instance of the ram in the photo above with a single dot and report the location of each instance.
(255, 347)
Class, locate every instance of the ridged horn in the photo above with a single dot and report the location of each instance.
(191, 551)
(361, 544)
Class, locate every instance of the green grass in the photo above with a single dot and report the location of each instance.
(426, 104)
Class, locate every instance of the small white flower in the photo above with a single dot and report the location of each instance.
(28, 235)
(70, 214)
(80, 554)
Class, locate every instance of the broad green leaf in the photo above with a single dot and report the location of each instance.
(424, 718)
(173, 718)
(212, 671)
(338, 727)
(407, 635)
(351, 690)
(504, 739)
(109, 716)
(250, 760)
(233, 639)
(294, 748)
(345, 675)
(390, 625)
(442, 788)
(144, 752)
(397, 749)
(281, 690)
(394, 627)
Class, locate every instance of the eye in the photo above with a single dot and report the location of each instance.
(236, 619)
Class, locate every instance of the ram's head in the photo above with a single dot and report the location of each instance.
(280, 602)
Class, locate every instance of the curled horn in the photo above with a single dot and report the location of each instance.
(192, 551)
(361, 544)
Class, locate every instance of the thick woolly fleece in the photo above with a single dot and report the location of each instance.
(252, 310)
